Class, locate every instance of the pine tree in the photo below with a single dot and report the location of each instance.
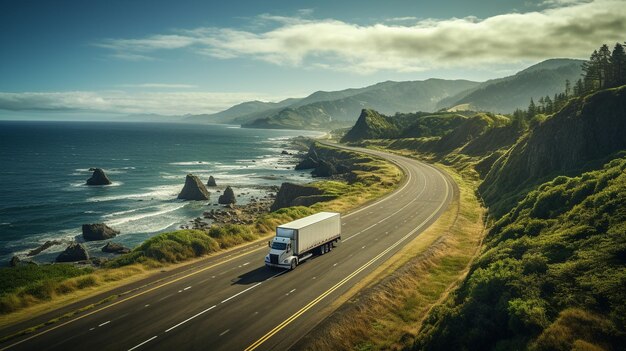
(549, 109)
(592, 77)
(618, 66)
(568, 88)
(604, 66)
(532, 109)
(579, 88)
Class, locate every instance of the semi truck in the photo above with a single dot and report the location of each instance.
(298, 240)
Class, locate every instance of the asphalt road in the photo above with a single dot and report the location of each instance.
(233, 302)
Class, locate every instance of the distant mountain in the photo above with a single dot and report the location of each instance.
(386, 97)
(504, 95)
(243, 109)
(324, 108)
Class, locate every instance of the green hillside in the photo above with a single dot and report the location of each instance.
(580, 136)
(504, 95)
(551, 275)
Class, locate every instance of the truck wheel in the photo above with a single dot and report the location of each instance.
(322, 249)
(293, 264)
(330, 246)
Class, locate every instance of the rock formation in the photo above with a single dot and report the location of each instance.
(74, 252)
(193, 189)
(211, 182)
(14, 261)
(43, 247)
(98, 231)
(98, 177)
(112, 247)
(228, 197)
(298, 195)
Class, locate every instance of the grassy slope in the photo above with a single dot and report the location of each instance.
(551, 275)
(48, 285)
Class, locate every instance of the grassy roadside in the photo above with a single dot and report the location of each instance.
(51, 287)
(394, 300)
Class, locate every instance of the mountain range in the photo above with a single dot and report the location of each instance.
(331, 109)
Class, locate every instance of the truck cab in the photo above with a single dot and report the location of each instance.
(280, 252)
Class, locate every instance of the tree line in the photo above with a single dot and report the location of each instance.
(604, 69)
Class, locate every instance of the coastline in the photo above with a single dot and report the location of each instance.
(345, 197)
(141, 201)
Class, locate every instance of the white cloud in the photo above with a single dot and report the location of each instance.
(568, 28)
(166, 103)
(159, 86)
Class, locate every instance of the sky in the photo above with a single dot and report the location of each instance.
(86, 58)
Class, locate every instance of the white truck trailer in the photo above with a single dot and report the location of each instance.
(298, 240)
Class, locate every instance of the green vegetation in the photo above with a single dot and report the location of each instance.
(553, 265)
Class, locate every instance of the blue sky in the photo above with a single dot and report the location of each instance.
(203, 56)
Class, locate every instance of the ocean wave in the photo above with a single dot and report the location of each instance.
(161, 192)
(164, 210)
(191, 163)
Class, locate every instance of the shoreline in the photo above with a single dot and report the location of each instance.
(254, 187)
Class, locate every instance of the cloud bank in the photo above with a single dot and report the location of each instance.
(565, 28)
(165, 103)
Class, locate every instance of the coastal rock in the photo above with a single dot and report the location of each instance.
(293, 194)
(43, 247)
(193, 189)
(14, 261)
(324, 169)
(228, 197)
(211, 181)
(307, 163)
(284, 152)
(112, 247)
(98, 177)
(98, 231)
(74, 252)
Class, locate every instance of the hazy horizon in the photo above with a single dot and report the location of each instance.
(114, 58)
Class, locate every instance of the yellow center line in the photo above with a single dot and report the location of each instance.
(315, 301)
(133, 296)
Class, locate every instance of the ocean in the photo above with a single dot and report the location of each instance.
(44, 166)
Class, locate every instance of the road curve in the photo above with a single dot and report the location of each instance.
(232, 302)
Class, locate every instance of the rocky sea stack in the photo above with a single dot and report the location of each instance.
(211, 181)
(98, 177)
(74, 252)
(228, 197)
(111, 247)
(193, 189)
(98, 231)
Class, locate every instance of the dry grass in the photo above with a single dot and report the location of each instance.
(387, 315)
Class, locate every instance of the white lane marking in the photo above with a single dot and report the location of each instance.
(335, 265)
(90, 329)
(224, 332)
(190, 318)
(245, 264)
(105, 323)
(241, 292)
(362, 247)
(147, 305)
(292, 290)
(187, 288)
(164, 297)
(145, 342)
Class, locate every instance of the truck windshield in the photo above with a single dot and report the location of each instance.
(279, 246)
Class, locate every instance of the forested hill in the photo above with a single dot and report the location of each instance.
(504, 95)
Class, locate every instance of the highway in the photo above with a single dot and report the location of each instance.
(231, 301)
